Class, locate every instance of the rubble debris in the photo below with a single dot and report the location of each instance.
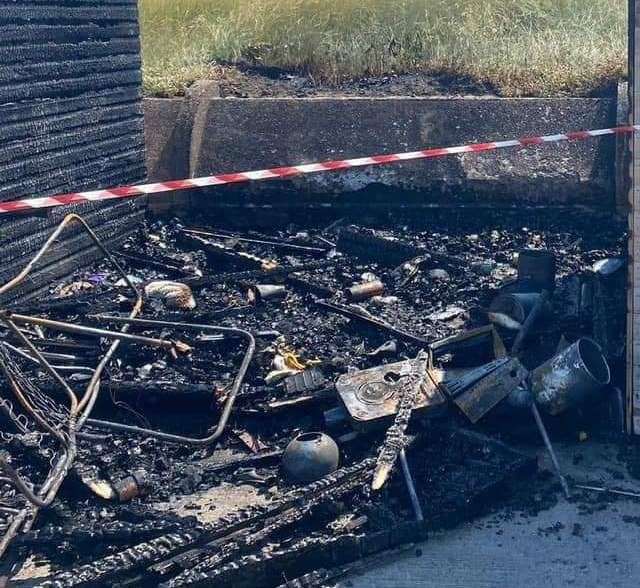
(196, 426)
(307, 381)
(131, 486)
(571, 378)
(174, 294)
(439, 274)
(365, 244)
(388, 348)
(309, 457)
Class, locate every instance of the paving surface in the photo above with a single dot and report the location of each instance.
(591, 541)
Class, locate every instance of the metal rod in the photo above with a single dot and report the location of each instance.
(411, 488)
(533, 315)
(552, 453)
(93, 331)
(372, 321)
(59, 368)
(235, 388)
(608, 490)
(280, 244)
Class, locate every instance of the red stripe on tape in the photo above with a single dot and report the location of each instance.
(526, 141)
(578, 135)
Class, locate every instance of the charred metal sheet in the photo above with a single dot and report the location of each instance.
(374, 395)
(483, 388)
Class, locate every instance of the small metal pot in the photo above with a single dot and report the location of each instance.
(512, 306)
(309, 457)
(572, 377)
(537, 270)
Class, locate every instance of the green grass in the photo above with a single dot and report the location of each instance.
(523, 47)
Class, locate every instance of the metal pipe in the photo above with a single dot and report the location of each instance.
(93, 331)
(411, 488)
(608, 491)
(552, 453)
(528, 323)
(281, 244)
(572, 377)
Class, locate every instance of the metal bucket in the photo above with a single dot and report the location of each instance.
(572, 377)
(512, 307)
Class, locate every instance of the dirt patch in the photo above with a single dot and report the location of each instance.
(245, 80)
(248, 81)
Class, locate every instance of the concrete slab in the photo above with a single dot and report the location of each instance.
(589, 542)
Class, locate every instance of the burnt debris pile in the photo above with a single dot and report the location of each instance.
(247, 408)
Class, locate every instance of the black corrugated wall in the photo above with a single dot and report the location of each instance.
(70, 119)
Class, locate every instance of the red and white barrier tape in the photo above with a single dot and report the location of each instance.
(295, 170)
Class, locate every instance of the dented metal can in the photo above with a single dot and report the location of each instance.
(365, 290)
(261, 292)
(573, 377)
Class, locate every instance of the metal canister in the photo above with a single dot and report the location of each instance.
(511, 310)
(261, 292)
(572, 377)
(365, 290)
(537, 270)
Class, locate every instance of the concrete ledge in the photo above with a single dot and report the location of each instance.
(229, 135)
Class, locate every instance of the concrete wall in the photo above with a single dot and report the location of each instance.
(195, 137)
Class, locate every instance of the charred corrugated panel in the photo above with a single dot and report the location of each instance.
(70, 119)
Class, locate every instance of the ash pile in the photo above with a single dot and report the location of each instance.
(247, 409)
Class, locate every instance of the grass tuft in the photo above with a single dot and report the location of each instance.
(521, 47)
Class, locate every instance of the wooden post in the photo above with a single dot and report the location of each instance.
(633, 304)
